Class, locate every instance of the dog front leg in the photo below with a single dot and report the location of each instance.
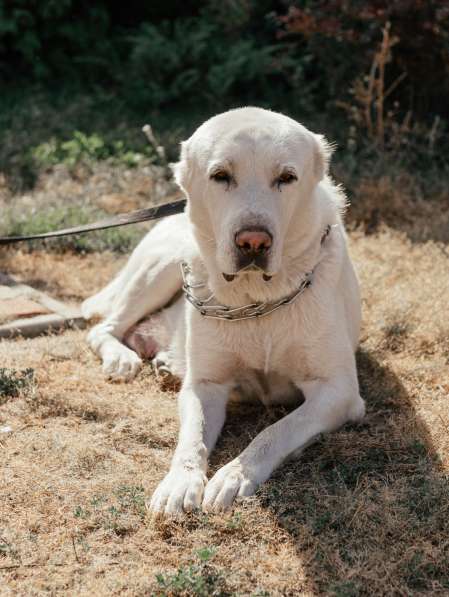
(202, 409)
(328, 405)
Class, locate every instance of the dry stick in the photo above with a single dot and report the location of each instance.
(381, 59)
(159, 149)
(372, 94)
(405, 126)
(369, 97)
(433, 132)
(444, 423)
(394, 85)
(74, 549)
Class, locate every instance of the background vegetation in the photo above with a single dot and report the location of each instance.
(372, 75)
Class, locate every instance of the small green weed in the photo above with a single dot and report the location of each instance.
(235, 522)
(395, 335)
(13, 383)
(196, 580)
(120, 513)
(97, 500)
(80, 512)
(132, 497)
(206, 553)
(7, 550)
(4, 548)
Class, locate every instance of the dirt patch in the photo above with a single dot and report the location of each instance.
(65, 276)
(364, 512)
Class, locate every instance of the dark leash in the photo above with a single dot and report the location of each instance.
(133, 217)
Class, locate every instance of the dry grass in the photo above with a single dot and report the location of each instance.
(364, 512)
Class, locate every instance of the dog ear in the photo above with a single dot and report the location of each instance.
(322, 154)
(182, 170)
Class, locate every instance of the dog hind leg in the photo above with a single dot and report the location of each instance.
(149, 281)
(150, 288)
(161, 338)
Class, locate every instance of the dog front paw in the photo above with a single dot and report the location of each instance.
(120, 363)
(228, 483)
(182, 489)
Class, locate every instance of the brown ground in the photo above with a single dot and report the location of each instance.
(365, 511)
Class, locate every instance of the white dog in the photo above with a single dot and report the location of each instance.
(272, 308)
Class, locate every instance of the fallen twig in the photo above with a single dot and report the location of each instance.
(74, 549)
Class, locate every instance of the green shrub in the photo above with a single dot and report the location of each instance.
(192, 60)
(86, 148)
(55, 37)
(177, 64)
(234, 51)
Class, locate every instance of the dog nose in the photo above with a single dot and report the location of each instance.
(253, 242)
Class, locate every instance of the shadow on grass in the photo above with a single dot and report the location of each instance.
(367, 506)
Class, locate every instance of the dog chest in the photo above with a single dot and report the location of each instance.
(271, 345)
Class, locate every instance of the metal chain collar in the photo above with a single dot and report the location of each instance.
(251, 311)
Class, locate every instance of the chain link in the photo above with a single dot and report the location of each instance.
(250, 311)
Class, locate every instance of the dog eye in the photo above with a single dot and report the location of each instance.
(286, 178)
(221, 176)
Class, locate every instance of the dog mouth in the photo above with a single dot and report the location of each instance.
(251, 268)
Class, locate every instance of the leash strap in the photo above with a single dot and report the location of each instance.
(140, 215)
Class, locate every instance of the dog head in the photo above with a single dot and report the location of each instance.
(249, 176)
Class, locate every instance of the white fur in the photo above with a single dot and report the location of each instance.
(307, 346)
